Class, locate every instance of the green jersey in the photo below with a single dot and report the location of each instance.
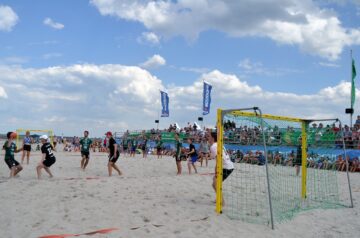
(178, 146)
(9, 150)
(159, 144)
(85, 144)
(125, 143)
(134, 143)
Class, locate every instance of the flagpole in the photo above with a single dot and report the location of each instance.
(202, 124)
(351, 74)
(158, 115)
(158, 118)
(203, 116)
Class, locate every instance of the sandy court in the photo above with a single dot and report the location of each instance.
(149, 200)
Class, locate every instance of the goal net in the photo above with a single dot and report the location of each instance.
(282, 165)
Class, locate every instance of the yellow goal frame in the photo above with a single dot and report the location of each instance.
(49, 132)
(220, 144)
(256, 112)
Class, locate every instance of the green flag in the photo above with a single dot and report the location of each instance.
(353, 75)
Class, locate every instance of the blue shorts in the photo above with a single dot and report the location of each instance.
(193, 159)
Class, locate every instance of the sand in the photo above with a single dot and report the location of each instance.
(149, 200)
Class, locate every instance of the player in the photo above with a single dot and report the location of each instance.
(193, 156)
(134, 145)
(144, 147)
(26, 148)
(85, 144)
(159, 145)
(177, 155)
(10, 150)
(114, 154)
(125, 145)
(204, 151)
(48, 157)
(228, 165)
(297, 160)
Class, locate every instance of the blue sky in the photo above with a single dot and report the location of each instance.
(100, 63)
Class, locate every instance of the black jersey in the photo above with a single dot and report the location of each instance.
(191, 148)
(48, 150)
(112, 145)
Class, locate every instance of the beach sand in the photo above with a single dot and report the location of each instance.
(149, 200)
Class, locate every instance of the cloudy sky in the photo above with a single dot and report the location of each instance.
(99, 64)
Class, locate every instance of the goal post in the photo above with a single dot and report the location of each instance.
(304, 127)
(21, 133)
(282, 166)
(219, 159)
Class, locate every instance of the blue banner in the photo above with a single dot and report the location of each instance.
(164, 104)
(206, 98)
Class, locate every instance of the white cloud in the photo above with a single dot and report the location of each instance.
(45, 95)
(231, 92)
(315, 30)
(3, 93)
(56, 25)
(248, 66)
(13, 60)
(149, 38)
(8, 18)
(195, 70)
(154, 62)
(116, 97)
(51, 55)
(79, 95)
(55, 119)
(329, 65)
(46, 42)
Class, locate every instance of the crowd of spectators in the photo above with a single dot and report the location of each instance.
(319, 135)
(277, 158)
(328, 136)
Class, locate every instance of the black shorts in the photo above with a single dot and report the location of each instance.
(11, 162)
(86, 154)
(297, 161)
(27, 148)
(226, 173)
(48, 162)
(178, 158)
(113, 158)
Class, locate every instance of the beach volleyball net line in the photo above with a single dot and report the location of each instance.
(264, 187)
(34, 134)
